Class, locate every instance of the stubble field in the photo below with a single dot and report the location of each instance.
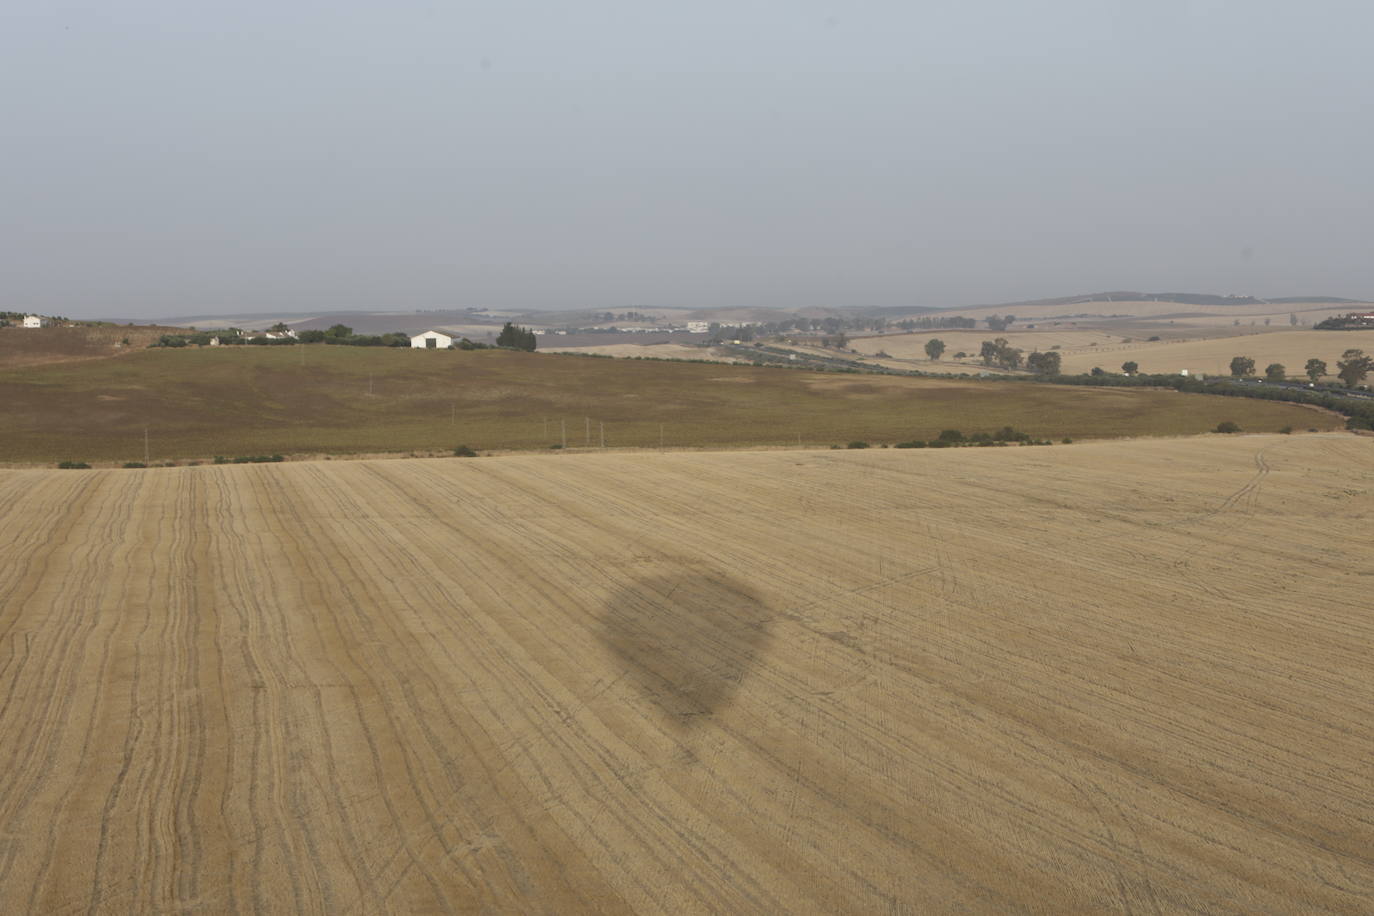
(1113, 677)
(1082, 351)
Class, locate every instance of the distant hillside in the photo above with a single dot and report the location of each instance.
(1184, 298)
(39, 346)
(476, 322)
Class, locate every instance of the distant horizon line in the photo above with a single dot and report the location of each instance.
(1084, 298)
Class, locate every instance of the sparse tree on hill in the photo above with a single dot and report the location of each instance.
(1242, 366)
(935, 348)
(1315, 369)
(339, 330)
(281, 327)
(1353, 367)
(1275, 372)
(997, 322)
(1130, 367)
(1000, 353)
(1293, 319)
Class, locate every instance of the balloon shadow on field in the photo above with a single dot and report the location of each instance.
(687, 640)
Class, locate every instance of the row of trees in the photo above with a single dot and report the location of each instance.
(998, 352)
(1352, 368)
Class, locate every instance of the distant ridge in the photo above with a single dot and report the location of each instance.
(376, 321)
(1125, 295)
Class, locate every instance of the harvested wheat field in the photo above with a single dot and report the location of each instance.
(1291, 349)
(1124, 676)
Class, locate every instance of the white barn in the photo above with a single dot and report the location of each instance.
(431, 340)
(35, 321)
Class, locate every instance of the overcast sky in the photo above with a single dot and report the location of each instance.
(177, 157)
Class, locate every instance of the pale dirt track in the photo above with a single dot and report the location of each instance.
(1121, 677)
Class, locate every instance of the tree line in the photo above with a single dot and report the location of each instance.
(1352, 368)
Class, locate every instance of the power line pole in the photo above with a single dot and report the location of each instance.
(603, 432)
(564, 424)
(145, 445)
(660, 435)
(589, 432)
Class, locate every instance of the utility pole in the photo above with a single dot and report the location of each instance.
(453, 414)
(564, 424)
(660, 435)
(589, 432)
(145, 445)
(603, 432)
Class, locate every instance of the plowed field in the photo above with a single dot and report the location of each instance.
(1113, 677)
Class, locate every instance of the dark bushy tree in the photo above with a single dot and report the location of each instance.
(1353, 366)
(1242, 366)
(1000, 353)
(1275, 372)
(935, 348)
(1315, 369)
(1044, 363)
(516, 338)
(1130, 367)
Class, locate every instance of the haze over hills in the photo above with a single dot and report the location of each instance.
(479, 320)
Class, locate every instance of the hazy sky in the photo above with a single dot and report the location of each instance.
(178, 156)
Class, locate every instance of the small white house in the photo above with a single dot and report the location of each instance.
(431, 340)
(280, 335)
(35, 321)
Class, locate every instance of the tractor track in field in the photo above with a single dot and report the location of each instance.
(981, 679)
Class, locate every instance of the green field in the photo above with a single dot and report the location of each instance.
(197, 403)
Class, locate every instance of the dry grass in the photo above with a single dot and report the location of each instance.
(655, 350)
(1291, 348)
(348, 400)
(1117, 677)
(1082, 351)
(28, 347)
(911, 347)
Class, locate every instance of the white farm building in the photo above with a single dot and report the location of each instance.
(431, 340)
(35, 321)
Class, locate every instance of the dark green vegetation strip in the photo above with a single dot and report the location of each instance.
(260, 401)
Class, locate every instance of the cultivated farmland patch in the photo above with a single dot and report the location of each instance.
(1116, 677)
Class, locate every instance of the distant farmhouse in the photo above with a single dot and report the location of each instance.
(35, 321)
(431, 340)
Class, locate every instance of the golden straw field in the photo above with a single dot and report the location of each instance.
(1081, 351)
(1131, 676)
